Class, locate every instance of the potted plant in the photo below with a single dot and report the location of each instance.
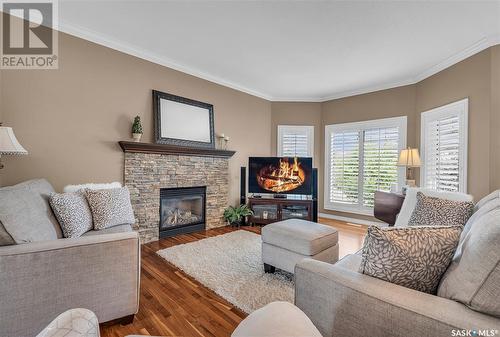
(137, 129)
(235, 215)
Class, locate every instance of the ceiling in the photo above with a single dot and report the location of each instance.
(292, 50)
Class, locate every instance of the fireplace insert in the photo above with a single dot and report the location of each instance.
(182, 210)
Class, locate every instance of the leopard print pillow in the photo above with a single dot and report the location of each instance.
(412, 257)
(110, 207)
(432, 211)
(72, 212)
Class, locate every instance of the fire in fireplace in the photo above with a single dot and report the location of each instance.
(182, 210)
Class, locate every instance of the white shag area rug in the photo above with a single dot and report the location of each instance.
(231, 265)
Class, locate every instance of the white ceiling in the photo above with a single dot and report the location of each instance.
(292, 50)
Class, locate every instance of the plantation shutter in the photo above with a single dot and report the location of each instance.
(344, 167)
(444, 147)
(295, 141)
(360, 159)
(381, 151)
(442, 154)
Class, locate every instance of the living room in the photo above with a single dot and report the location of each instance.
(254, 168)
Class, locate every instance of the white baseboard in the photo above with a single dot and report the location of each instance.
(351, 220)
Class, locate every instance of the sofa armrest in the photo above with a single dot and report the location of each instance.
(40, 280)
(342, 302)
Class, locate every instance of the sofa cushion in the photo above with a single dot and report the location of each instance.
(473, 277)
(26, 214)
(485, 208)
(110, 230)
(300, 236)
(73, 213)
(411, 200)
(5, 238)
(493, 195)
(110, 207)
(431, 211)
(350, 262)
(412, 257)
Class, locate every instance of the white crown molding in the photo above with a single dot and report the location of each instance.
(121, 46)
(141, 53)
(477, 47)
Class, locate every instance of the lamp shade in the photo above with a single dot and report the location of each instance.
(409, 157)
(9, 143)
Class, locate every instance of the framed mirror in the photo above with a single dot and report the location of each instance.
(182, 121)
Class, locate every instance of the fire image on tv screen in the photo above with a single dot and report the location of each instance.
(287, 175)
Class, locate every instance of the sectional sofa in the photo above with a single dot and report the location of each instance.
(43, 274)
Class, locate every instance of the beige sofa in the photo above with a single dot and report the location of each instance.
(342, 302)
(40, 279)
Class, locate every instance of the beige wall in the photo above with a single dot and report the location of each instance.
(495, 119)
(376, 105)
(71, 119)
(469, 78)
(477, 78)
(297, 113)
(1, 117)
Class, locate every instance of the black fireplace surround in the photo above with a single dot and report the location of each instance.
(182, 210)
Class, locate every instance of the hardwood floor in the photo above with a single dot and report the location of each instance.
(174, 304)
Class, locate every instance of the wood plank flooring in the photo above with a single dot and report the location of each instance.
(174, 304)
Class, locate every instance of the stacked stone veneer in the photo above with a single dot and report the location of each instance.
(146, 173)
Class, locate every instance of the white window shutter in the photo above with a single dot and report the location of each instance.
(295, 141)
(361, 158)
(344, 167)
(380, 171)
(444, 147)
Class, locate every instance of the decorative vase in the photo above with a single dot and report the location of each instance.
(137, 137)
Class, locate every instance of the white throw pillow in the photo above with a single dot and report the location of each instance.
(91, 186)
(411, 201)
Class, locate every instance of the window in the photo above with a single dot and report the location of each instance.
(295, 141)
(444, 147)
(361, 158)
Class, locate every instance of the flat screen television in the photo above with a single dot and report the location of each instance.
(280, 175)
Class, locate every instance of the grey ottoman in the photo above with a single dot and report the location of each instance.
(287, 242)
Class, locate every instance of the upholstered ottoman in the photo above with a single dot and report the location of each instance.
(287, 242)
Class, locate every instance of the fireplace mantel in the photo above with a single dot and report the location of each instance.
(135, 147)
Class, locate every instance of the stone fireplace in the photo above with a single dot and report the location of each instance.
(153, 169)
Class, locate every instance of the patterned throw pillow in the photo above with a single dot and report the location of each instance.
(110, 207)
(432, 211)
(72, 212)
(412, 257)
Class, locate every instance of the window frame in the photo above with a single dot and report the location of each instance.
(446, 111)
(309, 130)
(399, 122)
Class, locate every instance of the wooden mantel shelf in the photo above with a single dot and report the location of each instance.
(172, 149)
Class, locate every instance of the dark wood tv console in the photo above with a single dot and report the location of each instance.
(268, 210)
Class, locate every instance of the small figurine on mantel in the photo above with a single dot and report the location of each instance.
(223, 140)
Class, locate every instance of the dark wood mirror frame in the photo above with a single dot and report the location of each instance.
(157, 97)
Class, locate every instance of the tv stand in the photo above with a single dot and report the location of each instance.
(269, 210)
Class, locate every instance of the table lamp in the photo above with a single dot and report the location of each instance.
(409, 158)
(9, 144)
